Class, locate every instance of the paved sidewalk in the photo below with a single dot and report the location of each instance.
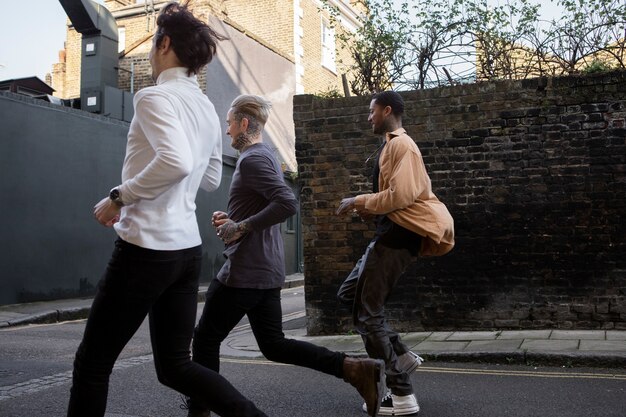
(604, 348)
(78, 308)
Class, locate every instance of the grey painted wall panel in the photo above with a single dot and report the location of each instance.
(243, 66)
(56, 164)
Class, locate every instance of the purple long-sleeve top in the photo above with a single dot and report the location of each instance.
(258, 194)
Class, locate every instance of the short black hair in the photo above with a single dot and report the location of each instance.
(392, 99)
(194, 41)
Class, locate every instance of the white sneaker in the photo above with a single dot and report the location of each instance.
(397, 405)
(408, 362)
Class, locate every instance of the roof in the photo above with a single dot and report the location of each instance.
(31, 84)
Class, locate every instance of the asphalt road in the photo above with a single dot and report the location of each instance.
(36, 363)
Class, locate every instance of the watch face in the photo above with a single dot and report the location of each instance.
(114, 194)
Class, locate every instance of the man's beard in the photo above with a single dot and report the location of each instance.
(380, 129)
(241, 141)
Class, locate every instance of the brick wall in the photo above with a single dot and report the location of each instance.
(137, 46)
(57, 76)
(271, 21)
(317, 78)
(534, 174)
(66, 78)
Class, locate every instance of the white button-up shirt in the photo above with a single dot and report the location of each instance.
(174, 147)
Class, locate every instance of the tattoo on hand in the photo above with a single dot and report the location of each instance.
(227, 231)
(243, 227)
(231, 231)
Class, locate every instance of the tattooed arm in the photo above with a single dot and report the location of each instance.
(229, 231)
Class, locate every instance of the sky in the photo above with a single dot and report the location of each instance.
(34, 35)
(31, 38)
(30, 49)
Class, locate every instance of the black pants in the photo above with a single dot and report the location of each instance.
(225, 307)
(164, 284)
(367, 289)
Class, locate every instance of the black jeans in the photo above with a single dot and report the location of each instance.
(225, 307)
(367, 289)
(164, 284)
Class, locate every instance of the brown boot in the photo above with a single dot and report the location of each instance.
(368, 377)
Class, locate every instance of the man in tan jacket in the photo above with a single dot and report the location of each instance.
(410, 222)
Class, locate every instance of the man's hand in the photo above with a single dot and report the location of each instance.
(346, 205)
(106, 212)
(229, 231)
(218, 218)
(365, 215)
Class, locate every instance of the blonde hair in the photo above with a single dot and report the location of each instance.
(251, 107)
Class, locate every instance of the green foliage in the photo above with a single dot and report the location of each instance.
(423, 43)
(585, 29)
(437, 28)
(329, 93)
(597, 66)
(499, 33)
(374, 47)
(292, 175)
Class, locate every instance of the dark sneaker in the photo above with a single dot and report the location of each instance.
(368, 377)
(408, 362)
(193, 411)
(397, 405)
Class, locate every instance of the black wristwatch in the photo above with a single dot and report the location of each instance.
(116, 197)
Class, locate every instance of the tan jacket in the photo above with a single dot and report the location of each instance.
(406, 196)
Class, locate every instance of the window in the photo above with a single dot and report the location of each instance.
(328, 46)
(121, 35)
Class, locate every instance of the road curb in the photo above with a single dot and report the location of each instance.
(49, 316)
(80, 313)
(563, 359)
(77, 313)
(292, 283)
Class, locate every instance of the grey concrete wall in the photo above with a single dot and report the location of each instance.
(55, 163)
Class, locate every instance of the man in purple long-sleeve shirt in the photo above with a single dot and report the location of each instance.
(260, 200)
(250, 281)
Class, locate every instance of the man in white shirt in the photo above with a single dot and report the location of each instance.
(174, 147)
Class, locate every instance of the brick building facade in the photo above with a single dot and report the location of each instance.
(534, 174)
(293, 29)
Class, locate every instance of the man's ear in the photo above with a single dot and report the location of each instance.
(165, 45)
(244, 123)
(387, 110)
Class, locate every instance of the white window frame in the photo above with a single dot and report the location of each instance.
(329, 49)
(121, 36)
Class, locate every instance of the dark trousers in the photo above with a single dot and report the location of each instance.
(367, 289)
(225, 307)
(164, 284)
